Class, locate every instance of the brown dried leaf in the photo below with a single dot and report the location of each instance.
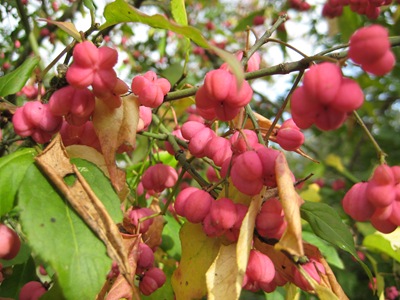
(153, 236)
(55, 163)
(116, 128)
(291, 241)
(121, 288)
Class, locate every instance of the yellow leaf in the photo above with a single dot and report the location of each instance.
(68, 27)
(311, 193)
(221, 276)
(198, 253)
(335, 162)
(291, 241)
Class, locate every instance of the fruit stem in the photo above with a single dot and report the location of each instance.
(253, 120)
(287, 45)
(283, 106)
(262, 40)
(381, 154)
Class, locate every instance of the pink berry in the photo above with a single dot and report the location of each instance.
(381, 66)
(270, 221)
(355, 203)
(194, 204)
(139, 213)
(32, 290)
(289, 136)
(267, 157)
(223, 213)
(80, 135)
(313, 268)
(145, 116)
(10, 243)
(198, 143)
(146, 258)
(152, 280)
(159, 177)
(243, 140)
(369, 44)
(190, 128)
(349, 96)
(260, 267)
(258, 20)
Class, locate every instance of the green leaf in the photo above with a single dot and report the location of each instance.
(60, 237)
(326, 224)
(101, 186)
(378, 243)
(12, 171)
(89, 4)
(248, 21)
(121, 12)
(170, 237)
(14, 81)
(349, 22)
(178, 11)
(21, 274)
(329, 252)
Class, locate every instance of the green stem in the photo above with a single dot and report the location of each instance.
(262, 40)
(254, 121)
(381, 154)
(283, 106)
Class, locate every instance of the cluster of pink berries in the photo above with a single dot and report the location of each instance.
(377, 200)
(151, 277)
(325, 98)
(71, 108)
(150, 89)
(159, 177)
(370, 47)
(220, 97)
(370, 8)
(35, 119)
(300, 5)
(220, 217)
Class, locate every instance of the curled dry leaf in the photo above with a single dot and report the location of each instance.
(120, 288)
(116, 128)
(55, 163)
(291, 241)
(153, 236)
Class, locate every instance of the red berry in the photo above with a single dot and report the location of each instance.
(313, 268)
(289, 136)
(270, 221)
(152, 280)
(260, 267)
(355, 203)
(139, 213)
(258, 20)
(194, 204)
(32, 290)
(146, 258)
(223, 213)
(9, 243)
(159, 177)
(369, 44)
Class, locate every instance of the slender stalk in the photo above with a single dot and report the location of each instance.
(283, 106)
(381, 154)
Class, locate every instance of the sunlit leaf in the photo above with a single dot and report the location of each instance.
(121, 12)
(14, 81)
(198, 253)
(67, 27)
(178, 11)
(379, 242)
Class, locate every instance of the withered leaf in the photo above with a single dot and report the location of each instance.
(291, 241)
(55, 163)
